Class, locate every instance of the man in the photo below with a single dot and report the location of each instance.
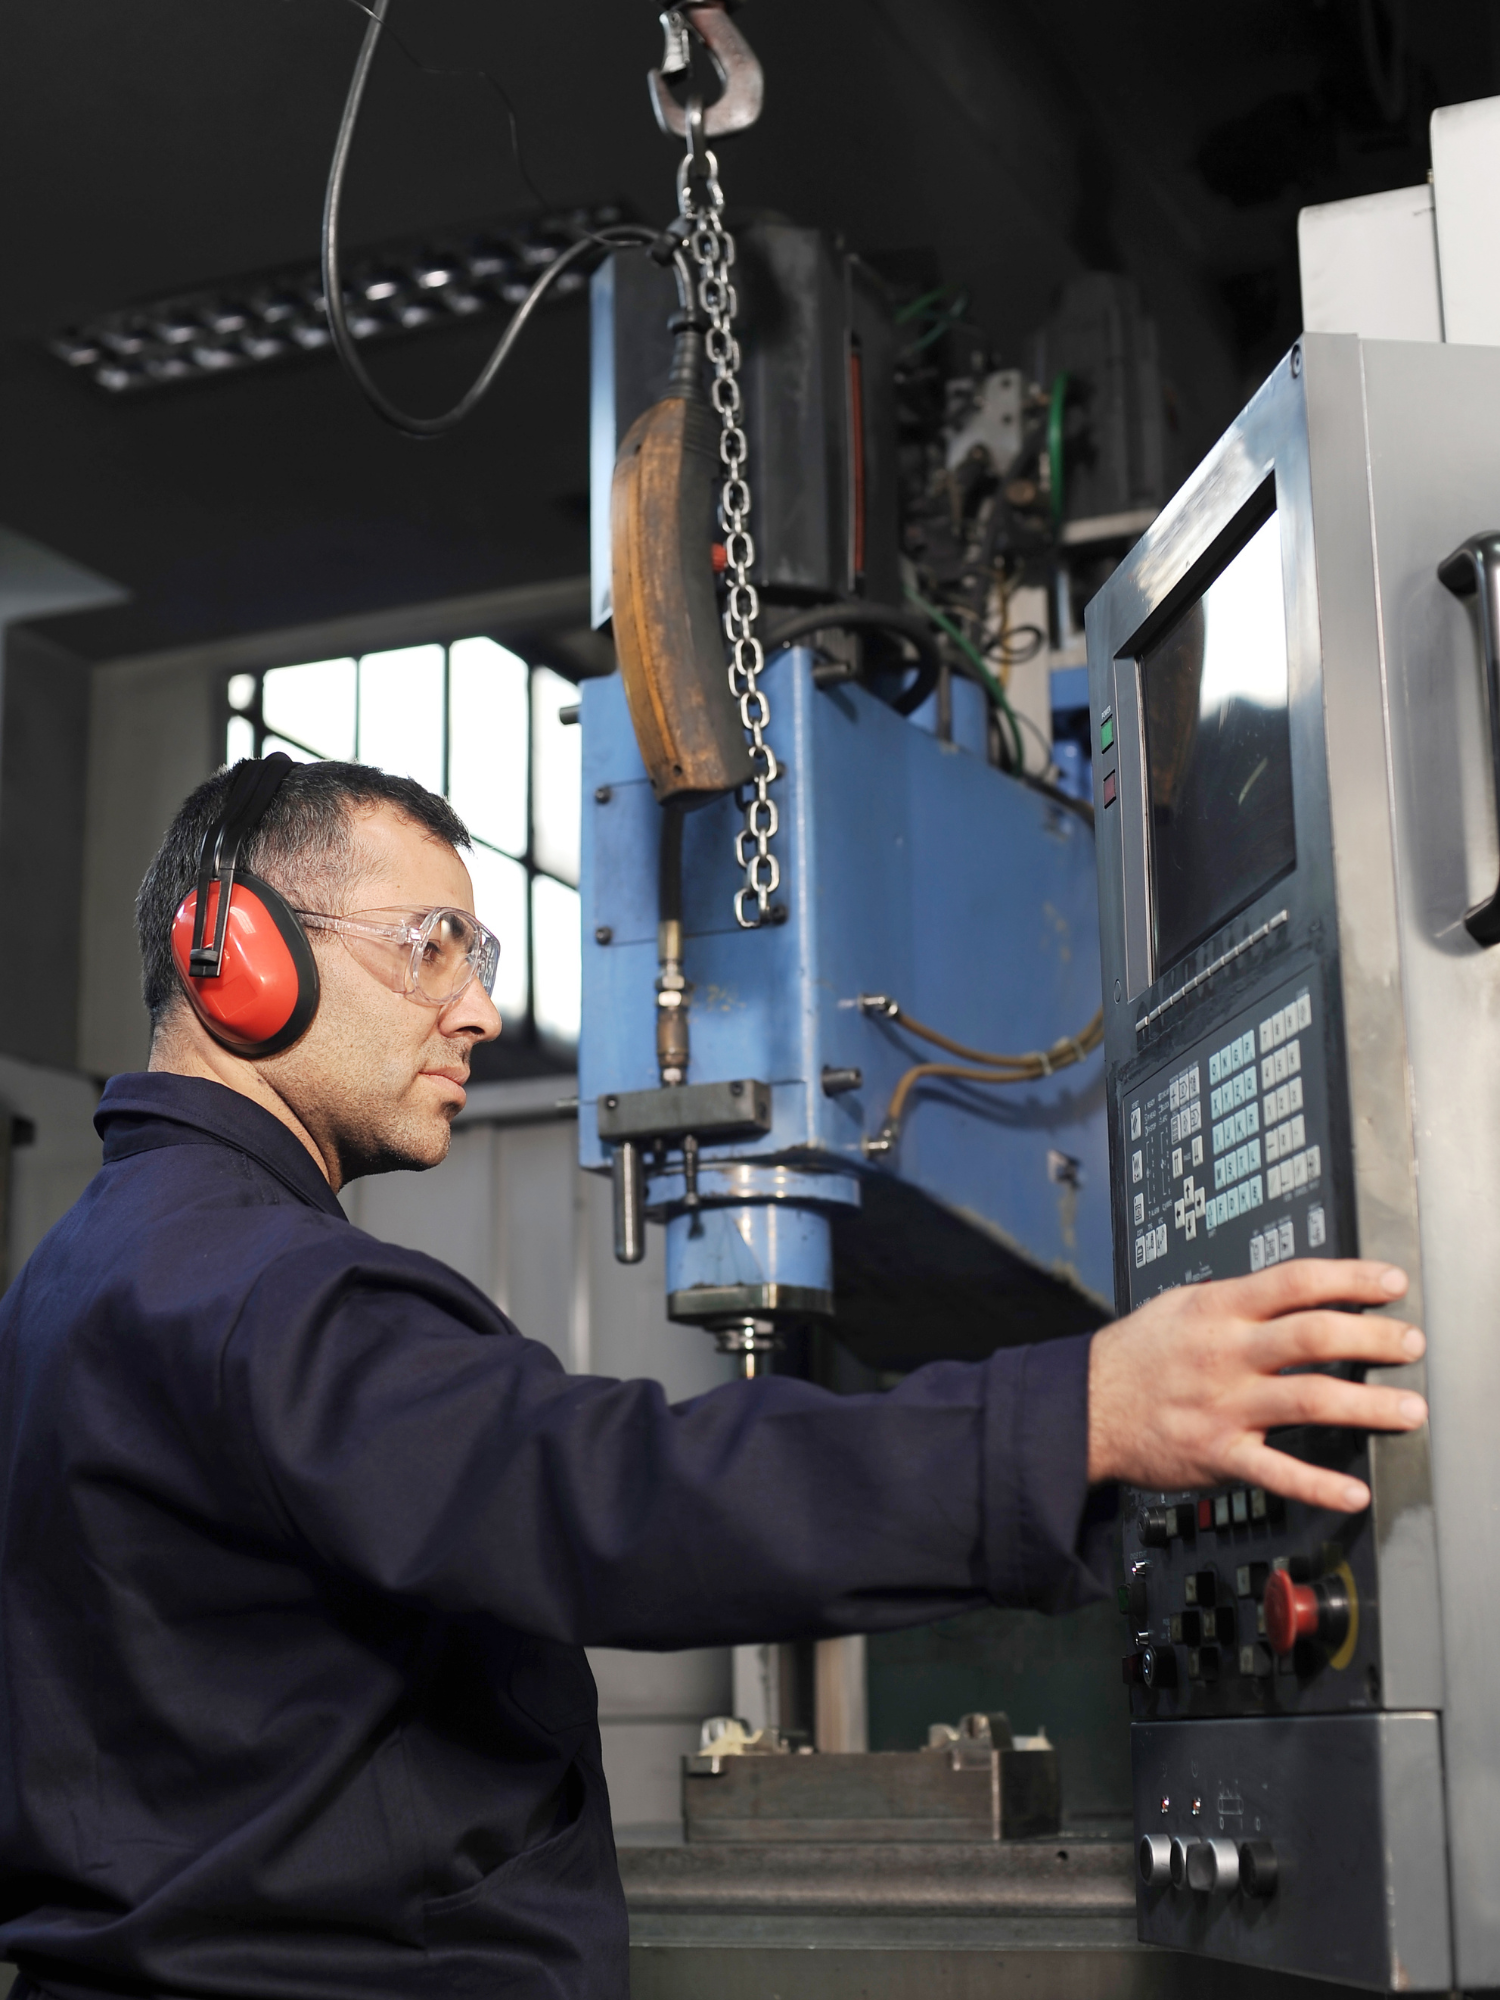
(301, 1540)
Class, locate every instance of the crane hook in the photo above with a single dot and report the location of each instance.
(739, 104)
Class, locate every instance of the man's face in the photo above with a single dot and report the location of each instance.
(378, 1078)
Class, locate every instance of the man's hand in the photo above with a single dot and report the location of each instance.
(1182, 1393)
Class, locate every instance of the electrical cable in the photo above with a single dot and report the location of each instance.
(494, 83)
(859, 615)
(669, 864)
(1055, 409)
(624, 235)
(977, 660)
(1029, 1068)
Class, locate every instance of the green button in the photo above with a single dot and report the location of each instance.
(1106, 732)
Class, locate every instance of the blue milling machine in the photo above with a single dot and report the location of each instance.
(879, 1109)
(916, 876)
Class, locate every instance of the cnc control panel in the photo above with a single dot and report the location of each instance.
(1294, 726)
(1227, 1147)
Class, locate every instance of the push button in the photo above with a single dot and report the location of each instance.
(1296, 1611)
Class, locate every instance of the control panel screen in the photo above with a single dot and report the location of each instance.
(1218, 751)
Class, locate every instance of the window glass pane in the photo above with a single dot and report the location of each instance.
(241, 690)
(240, 741)
(313, 704)
(558, 960)
(488, 741)
(293, 750)
(500, 902)
(401, 713)
(557, 776)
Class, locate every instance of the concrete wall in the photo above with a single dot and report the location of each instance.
(50, 1171)
(43, 748)
(153, 736)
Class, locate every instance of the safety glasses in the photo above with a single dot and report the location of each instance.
(429, 955)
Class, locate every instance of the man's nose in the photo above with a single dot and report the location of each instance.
(471, 1012)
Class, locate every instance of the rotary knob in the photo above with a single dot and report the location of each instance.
(1213, 1865)
(1155, 1857)
(1305, 1611)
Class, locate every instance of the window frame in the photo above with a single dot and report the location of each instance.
(522, 1049)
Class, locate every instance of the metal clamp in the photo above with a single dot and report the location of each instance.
(1473, 570)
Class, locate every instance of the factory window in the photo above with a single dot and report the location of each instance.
(479, 724)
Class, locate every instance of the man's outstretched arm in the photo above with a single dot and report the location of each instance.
(1183, 1392)
(472, 1474)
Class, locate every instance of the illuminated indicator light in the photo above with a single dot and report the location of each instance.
(1107, 733)
(1109, 788)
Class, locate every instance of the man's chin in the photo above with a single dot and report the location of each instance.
(420, 1144)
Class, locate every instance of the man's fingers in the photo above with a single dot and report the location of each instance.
(1306, 1339)
(1316, 1485)
(1284, 1400)
(1313, 1281)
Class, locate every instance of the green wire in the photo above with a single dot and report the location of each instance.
(946, 321)
(977, 660)
(1055, 442)
(915, 306)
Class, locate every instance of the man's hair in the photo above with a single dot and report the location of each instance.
(307, 846)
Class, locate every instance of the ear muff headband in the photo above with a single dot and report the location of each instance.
(244, 960)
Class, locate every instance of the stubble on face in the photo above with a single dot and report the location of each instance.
(377, 1080)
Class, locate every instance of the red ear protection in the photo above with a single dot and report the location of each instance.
(243, 958)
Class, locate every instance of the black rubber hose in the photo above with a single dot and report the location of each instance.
(623, 236)
(669, 865)
(859, 616)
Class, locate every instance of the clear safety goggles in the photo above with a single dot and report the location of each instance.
(429, 955)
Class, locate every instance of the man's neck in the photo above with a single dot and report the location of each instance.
(182, 1049)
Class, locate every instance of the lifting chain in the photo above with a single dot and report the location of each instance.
(701, 201)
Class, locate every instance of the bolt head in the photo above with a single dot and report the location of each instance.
(603, 934)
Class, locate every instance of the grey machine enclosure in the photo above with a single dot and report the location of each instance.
(1368, 1763)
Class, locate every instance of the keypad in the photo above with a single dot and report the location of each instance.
(1229, 1135)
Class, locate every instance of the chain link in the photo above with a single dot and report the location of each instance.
(711, 247)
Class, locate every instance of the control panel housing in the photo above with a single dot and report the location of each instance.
(1297, 811)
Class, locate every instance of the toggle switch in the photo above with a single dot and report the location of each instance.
(1161, 1523)
(1155, 1857)
(1305, 1611)
(1213, 1865)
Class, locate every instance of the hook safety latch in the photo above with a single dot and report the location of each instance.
(743, 95)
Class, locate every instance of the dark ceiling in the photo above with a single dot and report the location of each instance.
(149, 147)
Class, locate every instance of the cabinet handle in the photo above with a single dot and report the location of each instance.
(1473, 570)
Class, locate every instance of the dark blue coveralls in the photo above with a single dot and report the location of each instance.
(301, 1544)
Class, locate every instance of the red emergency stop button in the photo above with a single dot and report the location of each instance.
(1305, 1611)
(1291, 1611)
